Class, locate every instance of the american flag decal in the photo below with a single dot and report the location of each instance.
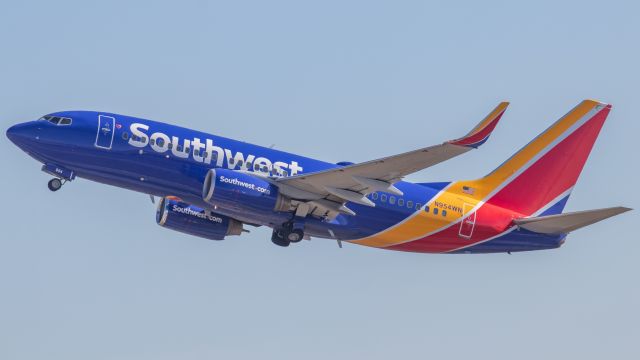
(467, 190)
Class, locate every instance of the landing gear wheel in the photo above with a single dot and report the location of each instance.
(54, 184)
(278, 239)
(295, 235)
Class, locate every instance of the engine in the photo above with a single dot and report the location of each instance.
(179, 216)
(240, 191)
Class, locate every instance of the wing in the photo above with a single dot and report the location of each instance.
(353, 182)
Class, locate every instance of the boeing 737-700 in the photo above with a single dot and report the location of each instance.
(214, 187)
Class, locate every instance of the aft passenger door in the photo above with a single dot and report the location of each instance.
(106, 130)
(468, 223)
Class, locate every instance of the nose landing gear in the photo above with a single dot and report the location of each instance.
(55, 184)
(62, 175)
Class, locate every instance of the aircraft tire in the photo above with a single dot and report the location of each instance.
(295, 235)
(54, 184)
(278, 239)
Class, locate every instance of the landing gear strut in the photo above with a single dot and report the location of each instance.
(54, 184)
(61, 176)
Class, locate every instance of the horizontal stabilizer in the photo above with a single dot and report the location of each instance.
(567, 222)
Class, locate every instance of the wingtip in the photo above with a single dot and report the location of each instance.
(481, 132)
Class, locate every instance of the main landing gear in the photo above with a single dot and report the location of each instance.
(55, 184)
(287, 234)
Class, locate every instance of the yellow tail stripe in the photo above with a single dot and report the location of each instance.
(538, 144)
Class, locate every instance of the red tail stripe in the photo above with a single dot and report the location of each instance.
(554, 173)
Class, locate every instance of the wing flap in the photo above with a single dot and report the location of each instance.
(567, 222)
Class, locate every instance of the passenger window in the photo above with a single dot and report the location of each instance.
(256, 167)
(170, 146)
(179, 147)
(187, 149)
(392, 200)
(435, 211)
(444, 212)
(400, 202)
(248, 165)
(125, 136)
(410, 204)
(383, 198)
(152, 141)
(426, 209)
(418, 206)
(240, 163)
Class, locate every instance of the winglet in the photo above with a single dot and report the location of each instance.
(481, 132)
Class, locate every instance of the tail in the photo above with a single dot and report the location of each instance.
(538, 179)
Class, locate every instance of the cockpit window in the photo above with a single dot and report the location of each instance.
(57, 120)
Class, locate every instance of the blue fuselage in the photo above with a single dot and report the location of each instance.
(166, 160)
(135, 164)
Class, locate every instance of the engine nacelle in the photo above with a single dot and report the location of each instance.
(240, 191)
(179, 216)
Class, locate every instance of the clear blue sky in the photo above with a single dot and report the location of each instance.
(86, 273)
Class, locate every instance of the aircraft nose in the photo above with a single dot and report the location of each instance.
(22, 133)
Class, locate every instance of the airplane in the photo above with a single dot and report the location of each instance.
(213, 187)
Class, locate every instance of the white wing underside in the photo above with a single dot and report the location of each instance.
(365, 177)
